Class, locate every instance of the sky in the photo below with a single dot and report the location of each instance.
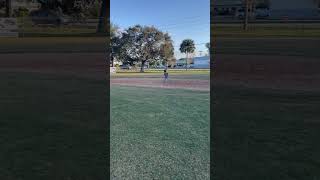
(182, 19)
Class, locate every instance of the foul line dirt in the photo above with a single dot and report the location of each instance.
(200, 85)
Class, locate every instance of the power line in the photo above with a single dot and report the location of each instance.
(184, 20)
(181, 19)
(187, 24)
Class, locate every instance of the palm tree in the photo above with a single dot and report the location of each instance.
(208, 47)
(187, 46)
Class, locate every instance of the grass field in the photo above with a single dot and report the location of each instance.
(159, 133)
(267, 30)
(52, 44)
(265, 134)
(266, 46)
(155, 132)
(270, 132)
(52, 126)
(53, 110)
(174, 73)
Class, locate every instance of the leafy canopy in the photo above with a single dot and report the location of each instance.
(187, 46)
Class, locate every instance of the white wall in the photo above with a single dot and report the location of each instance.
(292, 4)
(203, 63)
(294, 9)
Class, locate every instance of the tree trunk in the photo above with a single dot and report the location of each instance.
(142, 66)
(103, 18)
(112, 61)
(187, 62)
(8, 8)
(253, 8)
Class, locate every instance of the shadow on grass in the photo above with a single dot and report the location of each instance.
(52, 127)
(262, 134)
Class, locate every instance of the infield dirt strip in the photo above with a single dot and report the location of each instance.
(276, 72)
(202, 85)
(79, 64)
(293, 72)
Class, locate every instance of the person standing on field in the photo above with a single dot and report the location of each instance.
(166, 75)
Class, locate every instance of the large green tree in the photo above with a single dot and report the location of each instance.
(115, 43)
(167, 50)
(114, 29)
(143, 44)
(187, 46)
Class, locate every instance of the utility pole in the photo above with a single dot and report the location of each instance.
(200, 53)
(8, 8)
(187, 61)
(103, 21)
(246, 15)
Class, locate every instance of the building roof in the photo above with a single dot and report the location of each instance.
(202, 58)
(227, 2)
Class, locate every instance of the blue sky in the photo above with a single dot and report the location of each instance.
(182, 19)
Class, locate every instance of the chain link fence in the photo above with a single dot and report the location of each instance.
(283, 28)
(57, 27)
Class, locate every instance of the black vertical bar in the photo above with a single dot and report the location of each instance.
(106, 27)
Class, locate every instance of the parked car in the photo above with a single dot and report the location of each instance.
(241, 13)
(125, 67)
(160, 67)
(46, 17)
(262, 13)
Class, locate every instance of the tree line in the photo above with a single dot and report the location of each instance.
(141, 45)
(74, 8)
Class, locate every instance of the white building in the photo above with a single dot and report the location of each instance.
(30, 5)
(201, 62)
(294, 9)
(278, 9)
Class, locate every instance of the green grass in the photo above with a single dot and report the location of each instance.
(159, 133)
(265, 134)
(26, 29)
(266, 30)
(266, 39)
(178, 75)
(159, 72)
(52, 44)
(52, 127)
(301, 47)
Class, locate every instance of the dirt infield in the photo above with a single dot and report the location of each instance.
(80, 64)
(191, 84)
(276, 72)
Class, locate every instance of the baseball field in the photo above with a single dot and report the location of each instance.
(53, 114)
(160, 129)
(265, 99)
(53, 108)
(266, 96)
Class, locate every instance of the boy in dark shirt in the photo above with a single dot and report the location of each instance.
(166, 74)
